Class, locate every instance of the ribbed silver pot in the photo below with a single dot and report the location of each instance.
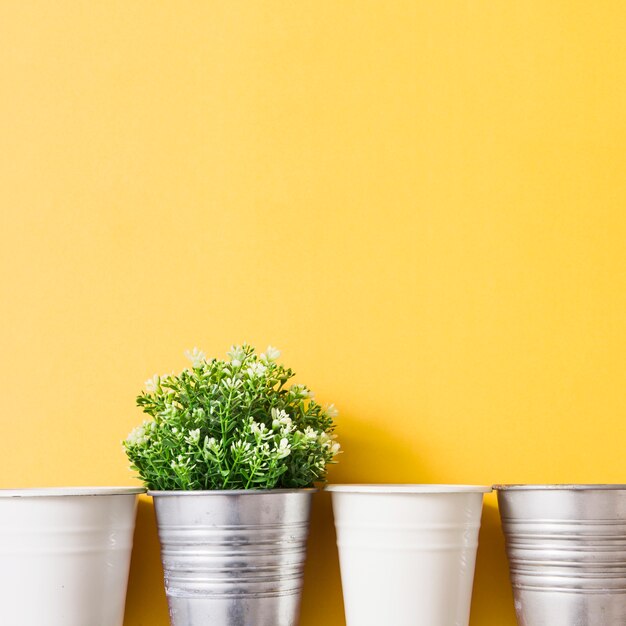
(233, 558)
(566, 546)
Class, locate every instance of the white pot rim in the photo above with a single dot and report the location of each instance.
(408, 488)
(56, 492)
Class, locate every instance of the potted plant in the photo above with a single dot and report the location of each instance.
(230, 455)
(65, 555)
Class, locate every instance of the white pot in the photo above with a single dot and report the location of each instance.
(407, 552)
(65, 555)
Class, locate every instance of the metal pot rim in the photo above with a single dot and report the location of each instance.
(560, 487)
(63, 492)
(408, 488)
(230, 492)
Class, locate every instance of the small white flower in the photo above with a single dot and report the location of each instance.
(301, 392)
(232, 383)
(256, 428)
(256, 370)
(170, 410)
(152, 384)
(137, 435)
(211, 444)
(311, 434)
(180, 462)
(328, 443)
(241, 446)
(236, 355)
(194, 436)
(284, 449)
(281, 420)
(197, 357)
(325, 439)
(331, 411)
(271, 354)
(174, 430)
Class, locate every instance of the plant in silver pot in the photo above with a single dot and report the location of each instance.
(231, 455)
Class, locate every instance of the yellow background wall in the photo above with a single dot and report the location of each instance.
(422, 203)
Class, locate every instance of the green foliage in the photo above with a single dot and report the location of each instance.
(231, 424)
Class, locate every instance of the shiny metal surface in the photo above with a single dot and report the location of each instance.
(566, 546)
(233, 558)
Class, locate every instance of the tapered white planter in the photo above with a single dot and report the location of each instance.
(65, 555)
(407, 552)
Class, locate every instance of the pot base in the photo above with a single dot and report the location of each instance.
(541, 608)
(241, 611)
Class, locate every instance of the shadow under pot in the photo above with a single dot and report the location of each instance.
(65, 555)
(407, 552)
(233, 558)
(566, 546)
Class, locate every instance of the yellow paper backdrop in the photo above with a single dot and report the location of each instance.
(422, 203)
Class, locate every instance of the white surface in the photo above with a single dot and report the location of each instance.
(69, 491)
(406, 488)
(407, 556)
(65, 560)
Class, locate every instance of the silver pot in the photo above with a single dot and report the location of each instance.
(233, 558)
(566, 546)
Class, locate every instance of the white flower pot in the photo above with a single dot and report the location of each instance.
(407, 552)
(65, 555)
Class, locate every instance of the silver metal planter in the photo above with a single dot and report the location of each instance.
(233, 558)
(566, 546)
